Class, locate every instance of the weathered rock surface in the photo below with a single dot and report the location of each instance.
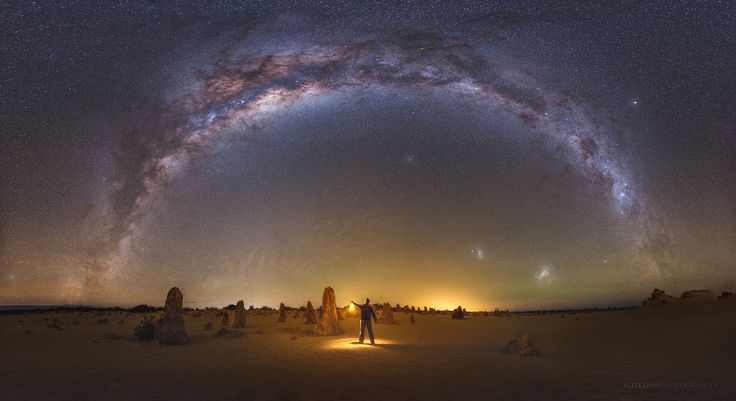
(282, 313)
(328, 324)
(695, 293)
(239, 316)
(387, 315)
(458, 313)
(659, 297)
(311, 318)
(170, 327)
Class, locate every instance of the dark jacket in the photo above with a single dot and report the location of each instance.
(366, 311)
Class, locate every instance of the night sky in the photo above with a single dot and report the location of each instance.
(512, 155)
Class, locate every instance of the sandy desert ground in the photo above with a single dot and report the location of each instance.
(683, 350)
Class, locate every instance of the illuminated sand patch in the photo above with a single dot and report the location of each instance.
(353, 344)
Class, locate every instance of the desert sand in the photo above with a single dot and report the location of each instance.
(681, 350)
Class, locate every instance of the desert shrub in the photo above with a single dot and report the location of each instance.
(146, 329)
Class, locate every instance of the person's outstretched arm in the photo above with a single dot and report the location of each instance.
(375, 320)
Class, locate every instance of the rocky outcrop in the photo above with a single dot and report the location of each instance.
(309, 314)
(282, 313)
(225, 318)
(520, 345)
(458, 313)
(239, 316)
(328, 324)
(411, 318)
(387, 315)
(659, 297)
(169, 328)
(695, 293)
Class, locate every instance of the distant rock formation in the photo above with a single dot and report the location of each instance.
(146, 329)
(411, 318)
(658, 297)
(239, 316)
(309, 314)
(458, 313)
(339, 314)
(725, 295)
(387, 315)
(170, 327)
(225, 318)
(520, 345)
(328, 324)
(695, 293)
(321, 312)
(282, 313)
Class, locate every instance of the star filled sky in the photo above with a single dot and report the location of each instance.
(490, 154)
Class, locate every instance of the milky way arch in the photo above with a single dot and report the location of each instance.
(233, 96)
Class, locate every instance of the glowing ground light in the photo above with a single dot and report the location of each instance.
(353, 344)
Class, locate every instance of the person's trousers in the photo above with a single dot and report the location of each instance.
(366, 324)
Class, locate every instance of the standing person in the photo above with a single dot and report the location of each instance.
(366, 312)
